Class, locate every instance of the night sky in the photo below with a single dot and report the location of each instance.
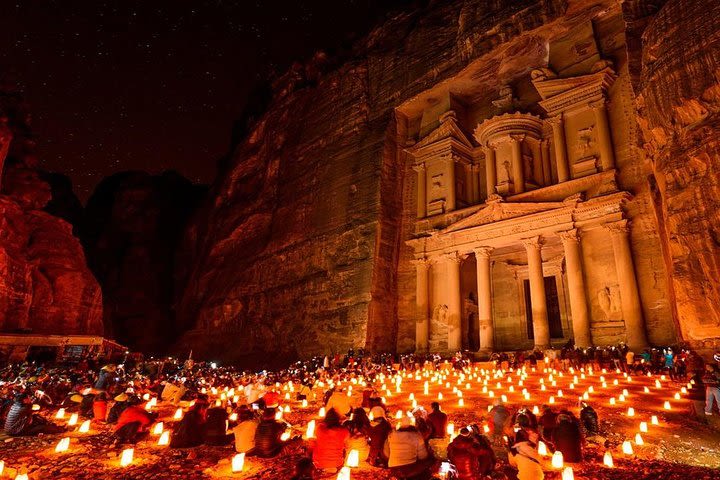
(157, 84)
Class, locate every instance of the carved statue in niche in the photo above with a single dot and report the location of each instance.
(506, 167)
(608, 300)
(440, 314)
(586, 142)
(437, 184)
(528, 165)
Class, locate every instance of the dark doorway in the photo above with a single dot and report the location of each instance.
(553, 309)
(473, 333)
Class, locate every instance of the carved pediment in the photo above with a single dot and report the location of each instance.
(499, 211)
(560, 93)
(448, 134)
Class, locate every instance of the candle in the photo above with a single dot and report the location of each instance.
(639, 439)
(310, 432)
(178, 414)
(542, 449)
(667, 405)
(164, 438)
(353, 459)
(654, 420)
(643, 427)
(73, 419)
(21, 476)
(630, 412)
(60, 414)
(321, 413)
(85, 427)
(627, 448)
(557, 460)
(344, 474)
(63, 445)
(567, 474)
(608, 460)
(450, 429)
(238, 462)
(285, 436)
(127, 457)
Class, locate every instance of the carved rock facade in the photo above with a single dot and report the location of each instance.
(358, 185)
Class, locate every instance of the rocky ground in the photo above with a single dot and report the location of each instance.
(681, 446)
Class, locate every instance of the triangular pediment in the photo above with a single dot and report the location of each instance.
(552, 87)
(499, 211)
(448, 131)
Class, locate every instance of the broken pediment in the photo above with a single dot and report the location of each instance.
(448, 133)
(558, 94)
(499, 211)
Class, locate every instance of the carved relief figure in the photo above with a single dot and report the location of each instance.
(608, 301)
(437, 185)
(586, 141)
(440, 314)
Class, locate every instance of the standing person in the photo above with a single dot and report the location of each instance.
(711, 380)
(328, 451)
(437, 419)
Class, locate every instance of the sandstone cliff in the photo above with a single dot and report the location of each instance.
(45, 285)
(679, 107)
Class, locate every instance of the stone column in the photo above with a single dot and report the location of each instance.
(490, 169)
(484, 286)
(607, 156)
(469, 185)
(476, 183)
(629, 296)
(451, 296)
(537, 292)
(576, 288)
(421, 190)
(450, 198)
(558, 129)
(422, 321)
(517, 163)
(545, 154)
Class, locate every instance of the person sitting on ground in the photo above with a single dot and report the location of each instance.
(132, 425)
(189, 431)
(472, 460)
(499, 418)
(244, 431)
(215, 431)
(589, 420)
(547, 422)
(359, 428)
(304, 470)
(407, 454)
(437, 419)
(524, 456)
(100, 407)
(567, 438)
(328, 450)
(268, 435)
(122, 402)
(21, 422)
(340, 402)
(173, 392)
(380, 428)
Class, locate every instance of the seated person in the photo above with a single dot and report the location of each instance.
(216, 423)
(189, 431)
(21, 422)
(267, 436)
(245, 430)
(133, 425)
(328, 452)
(407, 454)
(437, 419)
(380, 428)
(472, 460)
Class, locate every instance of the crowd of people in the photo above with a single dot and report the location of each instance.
(409, 448)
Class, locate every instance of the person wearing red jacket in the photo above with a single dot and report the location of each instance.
(329, 447)
(472, 459)
(134, 423)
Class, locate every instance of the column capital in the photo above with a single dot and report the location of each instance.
(483, 252)
(532, 242)
(421, 262)
(454, 257)
(419, 167)
(619, 228)
(572, 235)
(517, 137)
(556, 120)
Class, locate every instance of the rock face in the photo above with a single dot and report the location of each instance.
(45, 285)
(679, 111)
(302, 246)
(132, 225)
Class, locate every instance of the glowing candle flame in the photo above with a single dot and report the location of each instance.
(567, 474)
(60, 414)
(639, 439)
(158, 429)
(542, 449)
(630, 412)
(127, 457)
(63, 445)
(654, 420)
(608, 460)
(666, 406)
(353, 459)
(85, 427)
(310, 432)
(321, 413)
(164, 438)
(73, 419)
(450, 429)
(643, 427)
(627, 447)
(178, 414)
(344, 474)
(238, 462)
(557, 460)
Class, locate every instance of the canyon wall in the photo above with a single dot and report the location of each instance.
(45, 285)
(679, 111)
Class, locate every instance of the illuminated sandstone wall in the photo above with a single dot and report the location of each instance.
(301, 247)
(45, 285)
(679, 107)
